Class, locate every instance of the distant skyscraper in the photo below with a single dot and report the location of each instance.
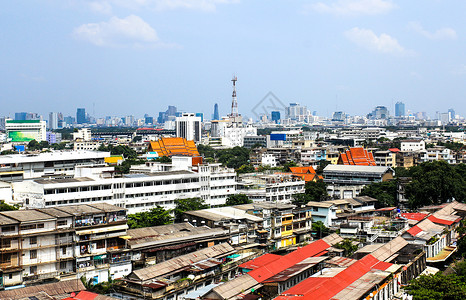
(20, 116)
(452, 113)
(380, 112)
(81, 116)
(400, 109)
(339, 116)
(148, 120)
(188, 126)
(216, 114)
(296, 112)
(276, 117)
(53, 121)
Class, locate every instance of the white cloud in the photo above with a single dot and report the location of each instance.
(440, 34)
(103, 7)
(366, 38)
(129, 31)
(354, 7)
(158, 5)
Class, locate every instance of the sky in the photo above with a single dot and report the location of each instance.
(136, 57)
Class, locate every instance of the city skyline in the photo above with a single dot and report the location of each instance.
(342, 55)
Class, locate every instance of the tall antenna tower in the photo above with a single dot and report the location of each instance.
(234, 103)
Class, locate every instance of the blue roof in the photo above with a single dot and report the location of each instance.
(200, 292)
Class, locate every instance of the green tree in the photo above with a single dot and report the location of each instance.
(385, 192)
(34, 145)
(126, 165)
(60, 146)
(6, 207)
(237, 199)
(300, 199)
(123, 150)
(437, 287)
(316, 190)
(322, 164)
(188, 204)
(164, 159)
(246, 169)
(155, 217)
(434, 183)
(348, 246)
(288, 165)
(319, 230)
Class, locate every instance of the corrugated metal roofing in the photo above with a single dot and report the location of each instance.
(324, 288)
(260, 261)
(52, 289)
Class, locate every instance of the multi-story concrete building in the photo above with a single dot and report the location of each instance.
(345, 181)
(17, 167)
(135, 192)
(188, 126)
(385, 158)
(25, 130)
(59, 243)
(438, 153)
(270, 188)
(413, 145)
(216, 182)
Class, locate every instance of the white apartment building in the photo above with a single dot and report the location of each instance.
(52, 243)
(86, 145)
(25, 131)
(17, 167)
(413, 145)
(188, 126)
(135, 192)
(231, 134)
(83, 134)
(216, 183)
(270, 188)
(268, 159)
(438, 153)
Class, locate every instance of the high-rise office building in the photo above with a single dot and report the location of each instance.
(276, 117)
(380, 112)
(400, 109)
(452, 113)
(188, 126)
(216, 114)
(20, 116)
(53, 121)
(296, 112)
(81, 116)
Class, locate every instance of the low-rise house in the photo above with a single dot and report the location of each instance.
(242, 227)
(152, 245)
(283, 225)
(271, 275)
(438, 153)
(270, 188)
(174, 278)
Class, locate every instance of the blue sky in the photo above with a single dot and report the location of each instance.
(131, 57)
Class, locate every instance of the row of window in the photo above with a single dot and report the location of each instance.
(161, 193)
(151, 204)
(116, 186)
(83, 200)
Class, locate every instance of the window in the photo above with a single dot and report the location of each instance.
(8, 228)
(62, 223)
(100, 244)
(40, 225)
(33, 269)
(5, 258)
(63, 250)
(33, 240)
(5, 243)
(33, 254)
(63, 265)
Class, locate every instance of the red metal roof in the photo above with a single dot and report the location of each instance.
(324, 288)
(260, 261)
(414, 230)
(85, 295)
(394, 150)
(386, 209)
(414, 216)
(442, 221)
(263, 273)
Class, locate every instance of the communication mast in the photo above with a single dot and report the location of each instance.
(234, 103)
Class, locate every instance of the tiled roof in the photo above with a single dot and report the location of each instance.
(173, 146)
(414, 216)
(357, 156)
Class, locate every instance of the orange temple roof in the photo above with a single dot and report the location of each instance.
(173, 146)
(356, 156)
